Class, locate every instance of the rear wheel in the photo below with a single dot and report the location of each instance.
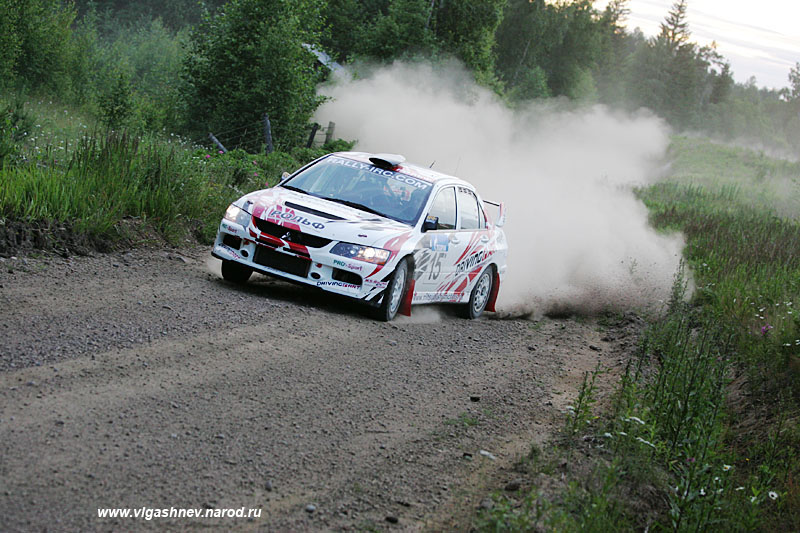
(480, 295)
(395, 292)
(235, 272)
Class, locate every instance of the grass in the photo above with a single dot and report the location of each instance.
(56, 169)
(464, 420)
(705, 418)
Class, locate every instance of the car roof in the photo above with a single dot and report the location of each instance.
(428, 174)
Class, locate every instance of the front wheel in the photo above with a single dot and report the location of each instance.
(235, 272)
(395, 292)
(480, 295)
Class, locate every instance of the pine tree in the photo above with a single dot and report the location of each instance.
(675, 28)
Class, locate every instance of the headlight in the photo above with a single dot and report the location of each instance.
(238, 215)
(379, 256)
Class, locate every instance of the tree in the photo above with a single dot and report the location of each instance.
(247, 59)
(121, 14)
(794, 82)
(675, 77)
(345, 22)
(615, 48)
(562, 39)
(9, 40)
(402, 29)
(467, 30)
(36, 43)
(675, 28)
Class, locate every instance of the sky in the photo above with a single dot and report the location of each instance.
(759, 38)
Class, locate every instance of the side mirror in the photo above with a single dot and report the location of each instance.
(431, 223)
(284, 177)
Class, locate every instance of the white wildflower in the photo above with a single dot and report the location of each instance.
(773, 495)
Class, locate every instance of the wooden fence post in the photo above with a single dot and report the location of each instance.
(268, 148)
(314, 129)
(216, 141)
(329, 132)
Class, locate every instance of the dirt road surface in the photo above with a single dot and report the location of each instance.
(142, 379)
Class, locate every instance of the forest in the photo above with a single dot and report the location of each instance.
(189, 67)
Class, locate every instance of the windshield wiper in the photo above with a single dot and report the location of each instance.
(296, 189)
(356, 205)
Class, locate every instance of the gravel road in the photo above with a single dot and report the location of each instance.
(141, 379)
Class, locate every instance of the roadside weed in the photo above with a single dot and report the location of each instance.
(703, 426)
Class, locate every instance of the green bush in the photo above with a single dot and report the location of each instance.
(116, 101)
(250, 59)
(14, 125)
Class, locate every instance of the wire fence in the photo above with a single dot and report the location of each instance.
(250, 137)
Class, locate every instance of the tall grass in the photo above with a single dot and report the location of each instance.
(92, 181)
(106, 179)
(709, 407)
(746, 265)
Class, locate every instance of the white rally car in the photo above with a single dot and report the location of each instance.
(371, 227)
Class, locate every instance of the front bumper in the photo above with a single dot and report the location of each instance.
(316, 267)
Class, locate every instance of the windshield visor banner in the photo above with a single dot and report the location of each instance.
(404, 178)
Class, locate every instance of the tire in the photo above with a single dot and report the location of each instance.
(480, 295)
(235, 272)
(395, 293)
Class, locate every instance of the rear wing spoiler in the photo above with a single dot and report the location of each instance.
(501, 213)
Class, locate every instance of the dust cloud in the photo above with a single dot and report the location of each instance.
(579, 241)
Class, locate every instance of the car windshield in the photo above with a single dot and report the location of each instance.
(366, 187)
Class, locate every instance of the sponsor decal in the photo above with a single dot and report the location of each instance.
(342, 264)
(230, 251)
(433, 297)
(297, 219)
(428, 263)
(337, 284)
(440, 243)
(472, 261)
(376, 283)
(414, 182)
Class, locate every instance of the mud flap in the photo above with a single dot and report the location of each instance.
(495, 291)
(405, 305)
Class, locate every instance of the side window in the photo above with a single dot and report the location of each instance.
(444, 207)
(470, 212)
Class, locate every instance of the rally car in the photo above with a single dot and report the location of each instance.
(374, 228)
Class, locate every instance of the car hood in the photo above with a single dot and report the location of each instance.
(320, 217)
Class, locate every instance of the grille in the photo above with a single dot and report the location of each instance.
(284, 262)
(232, 241)
(346, 277)
(291, 235)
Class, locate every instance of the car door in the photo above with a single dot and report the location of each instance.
(434, 256)
(470, 243)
